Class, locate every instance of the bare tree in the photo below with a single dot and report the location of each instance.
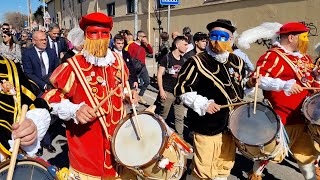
(15, 19)
(38, 15)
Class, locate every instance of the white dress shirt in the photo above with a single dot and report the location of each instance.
(117, 51)
(44, 57)
(51, 45)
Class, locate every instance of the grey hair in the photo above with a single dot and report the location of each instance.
(53, 26)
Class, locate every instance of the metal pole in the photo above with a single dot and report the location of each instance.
(149, 21)
(98, 9)
(135, 18)
(44, 11)
(168, 27)
(29, 17)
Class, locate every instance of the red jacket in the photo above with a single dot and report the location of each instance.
(89, 146)
(273, 65)
(144, 49)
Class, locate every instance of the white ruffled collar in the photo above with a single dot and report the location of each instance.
(296, 54)
(222, 58)
(108, 60)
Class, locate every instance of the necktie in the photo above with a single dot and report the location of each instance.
(43, 67)
(54, 47)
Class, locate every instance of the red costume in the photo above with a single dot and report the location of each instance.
(276, 63)
(79, 80)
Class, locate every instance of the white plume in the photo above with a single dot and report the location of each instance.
(266, 30)
(76, 36)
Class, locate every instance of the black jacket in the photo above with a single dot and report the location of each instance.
(213, 80)
(132, 70)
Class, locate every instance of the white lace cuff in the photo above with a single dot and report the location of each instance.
(287, 86)
(1, 158)
(41, 118)
(196, 102)
(66, 110)
(276, 84)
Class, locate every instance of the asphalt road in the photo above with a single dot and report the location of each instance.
(287, 170)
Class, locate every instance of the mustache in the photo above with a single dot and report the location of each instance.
(220, 47)
(97, 47)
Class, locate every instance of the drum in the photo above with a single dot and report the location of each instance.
(258, 136)
(29, 169)
(159, 154)
(311, 111)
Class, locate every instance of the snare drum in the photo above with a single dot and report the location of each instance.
(311, 111)
(29, 169)
(157, 155)
(257, 136)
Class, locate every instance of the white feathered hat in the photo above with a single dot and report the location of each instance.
(267, 30)
(76, 34)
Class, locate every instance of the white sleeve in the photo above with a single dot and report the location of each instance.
(41, 118)
(66, 110)
(276, 84)
(248, 91)
(196, 102)
(1, 157)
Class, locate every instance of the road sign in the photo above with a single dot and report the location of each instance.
(169, 2)
(46, 15)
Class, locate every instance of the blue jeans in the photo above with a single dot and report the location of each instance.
(144, 75)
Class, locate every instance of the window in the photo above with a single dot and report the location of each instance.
(111, 9)
(63, 4)
(57, 18)
(130, 6)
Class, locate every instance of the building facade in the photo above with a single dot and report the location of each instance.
(197, 14)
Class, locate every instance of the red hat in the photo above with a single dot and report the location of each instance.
(95, 19)
(293, 27)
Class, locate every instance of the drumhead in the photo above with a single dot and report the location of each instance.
(26, 169)
(254, 129)
(130, 151)
(311, 108)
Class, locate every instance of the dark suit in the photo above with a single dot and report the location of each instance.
(61, 43)
(132, 70)
(32, 66)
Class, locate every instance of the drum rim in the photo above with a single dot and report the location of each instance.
(251, 145)
(44, 165)
(308, 99)
(161, 150)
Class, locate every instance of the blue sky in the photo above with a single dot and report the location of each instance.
(17, 5)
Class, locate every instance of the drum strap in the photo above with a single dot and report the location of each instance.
(216, 81)
(85, 85)
(298, 73)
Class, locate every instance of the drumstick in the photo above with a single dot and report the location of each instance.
(234, 104)
(311, 88)
(16, 145)
(106, 98)
(136, 124)
(256, 92)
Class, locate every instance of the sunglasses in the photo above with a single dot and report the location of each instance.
(5, 28)
(24, 36)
